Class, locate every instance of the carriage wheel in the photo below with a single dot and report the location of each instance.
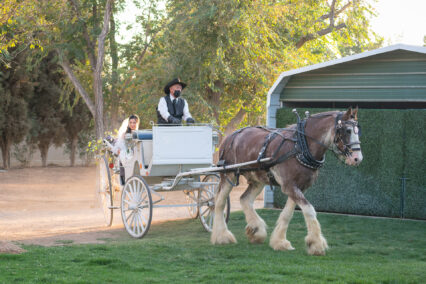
(136, 206)
(191, 198)
(105, 190)
(206, 202)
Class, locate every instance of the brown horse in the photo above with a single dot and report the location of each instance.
(297, 152)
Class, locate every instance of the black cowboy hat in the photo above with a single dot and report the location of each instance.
(173, 82)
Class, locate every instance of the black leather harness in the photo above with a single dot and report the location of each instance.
(300, 149)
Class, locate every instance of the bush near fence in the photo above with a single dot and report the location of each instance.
(393, 146)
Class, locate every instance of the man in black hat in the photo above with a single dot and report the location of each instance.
(172, 109)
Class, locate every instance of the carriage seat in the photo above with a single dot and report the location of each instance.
(142, 135)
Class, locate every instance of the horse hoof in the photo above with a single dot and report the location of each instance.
(256, 235)
(283, 245)
(222, 239)
(316, 246)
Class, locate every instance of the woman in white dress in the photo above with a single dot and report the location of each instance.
(129, 124)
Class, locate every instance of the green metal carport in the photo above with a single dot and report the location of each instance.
(392, 77)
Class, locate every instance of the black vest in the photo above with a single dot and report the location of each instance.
(174, 110)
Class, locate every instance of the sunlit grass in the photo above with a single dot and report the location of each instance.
(362, 250)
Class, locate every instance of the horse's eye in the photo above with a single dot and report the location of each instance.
(348, 131)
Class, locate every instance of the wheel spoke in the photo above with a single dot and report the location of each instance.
(137, 224)
(202, 213)
(141, 221)
(132, 223)
(145, 196)
(143, 205)
(131, 194)
(134, 191)
(138, 191)
(211, 217)
(131, 214)
(143, 217)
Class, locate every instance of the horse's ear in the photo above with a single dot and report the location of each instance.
(348, 115)
(355, 113)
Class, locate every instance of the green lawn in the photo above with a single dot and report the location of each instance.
(362, 250)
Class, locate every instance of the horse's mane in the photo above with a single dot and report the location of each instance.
(317, 115)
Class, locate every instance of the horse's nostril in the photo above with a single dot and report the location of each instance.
(356, 159)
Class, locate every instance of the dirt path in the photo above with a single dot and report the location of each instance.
(57, 205)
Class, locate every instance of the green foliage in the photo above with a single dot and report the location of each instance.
(23, 153)
(15, 91)
(362, 250)
(230, 52)
(45, 108)
(393, 147)
(76, 121)
(18, 20)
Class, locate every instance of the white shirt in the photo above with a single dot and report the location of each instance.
(164, 112)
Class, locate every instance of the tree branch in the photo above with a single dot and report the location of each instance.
(138, 62)
(336, 13)
(102, 36)
(331, 27)
(343, 8)
(90, 44)
(67, 68)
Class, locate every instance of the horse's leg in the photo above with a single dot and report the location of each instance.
(278, 239)
(315, 241)
(220, 232)
(256, 227)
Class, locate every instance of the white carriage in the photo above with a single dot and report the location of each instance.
(166, 158)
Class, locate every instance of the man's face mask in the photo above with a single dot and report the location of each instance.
(177, 93)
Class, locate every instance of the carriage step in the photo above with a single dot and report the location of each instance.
(113, 207)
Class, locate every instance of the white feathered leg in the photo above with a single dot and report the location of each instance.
(315, 241)
(256, 227)
(220, 232)
(278, 239)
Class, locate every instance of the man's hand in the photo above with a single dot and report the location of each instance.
(190, 120)
(173, 120)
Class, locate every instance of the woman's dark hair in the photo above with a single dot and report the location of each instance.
(132, 116)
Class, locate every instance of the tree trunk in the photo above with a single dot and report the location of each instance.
(44, 149)
(99, 103)
(236, 120)
(97, 74)
(96, 64)
(74, 141)
(5, 151)
(114, 75)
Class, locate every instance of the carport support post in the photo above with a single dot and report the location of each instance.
(402, 196)
(268, 197)
(272, 105)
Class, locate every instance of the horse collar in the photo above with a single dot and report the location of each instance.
(304, 156)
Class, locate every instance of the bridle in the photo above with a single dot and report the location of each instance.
(343, 129)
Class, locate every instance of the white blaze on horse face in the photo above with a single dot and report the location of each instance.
(356, 158)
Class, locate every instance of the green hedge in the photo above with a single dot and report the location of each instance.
(393, 146)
